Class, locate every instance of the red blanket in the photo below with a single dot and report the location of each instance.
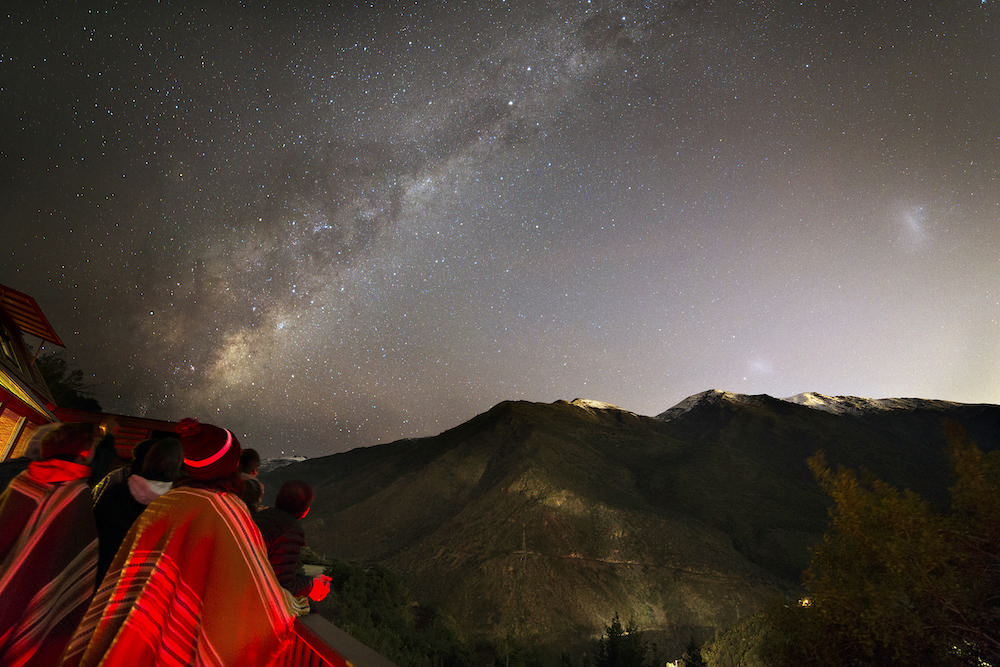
(48, 561)
(191, 585)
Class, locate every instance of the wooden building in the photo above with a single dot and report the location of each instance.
(26, 402)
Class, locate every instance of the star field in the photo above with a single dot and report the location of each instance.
(327, 225)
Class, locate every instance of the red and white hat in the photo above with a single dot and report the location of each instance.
(210, 452)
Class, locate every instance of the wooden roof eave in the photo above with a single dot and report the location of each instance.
(26, 314)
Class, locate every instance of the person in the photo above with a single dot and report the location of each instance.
(105, 454)
(11, 468)
(122, 502)
(284, 537)
(253, 488)
(191, 580)
(48, 548)
(120, 474)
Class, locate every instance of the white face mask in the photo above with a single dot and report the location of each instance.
(145, 490)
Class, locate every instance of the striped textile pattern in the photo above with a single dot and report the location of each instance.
(48, 566)
(190, 585)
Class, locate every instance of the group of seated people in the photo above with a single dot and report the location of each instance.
(161, 562)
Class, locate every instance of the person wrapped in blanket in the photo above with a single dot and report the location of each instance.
(284, 537)
(48, 548)
(121, 502)
(191, 584)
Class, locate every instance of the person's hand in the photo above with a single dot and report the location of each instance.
(320, 588)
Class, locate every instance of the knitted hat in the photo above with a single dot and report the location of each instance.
(210, 452)
(68, 440)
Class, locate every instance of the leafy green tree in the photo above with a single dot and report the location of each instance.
(67, 385)
(899, 581)
(973, 612)
(621, 646)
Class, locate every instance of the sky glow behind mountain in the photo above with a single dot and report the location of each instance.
(327, 226)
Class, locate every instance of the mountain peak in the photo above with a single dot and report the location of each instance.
(839, 405)
(590, 404)
(856, 405)
(708, 397)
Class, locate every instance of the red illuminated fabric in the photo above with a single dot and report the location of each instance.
(52, 471)
(191, 585)
(209, 460)
(48, 562)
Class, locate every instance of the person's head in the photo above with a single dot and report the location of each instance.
(210, 452)
(249, 461)
(139, 452)
(34, 449)
(253, 493)
(69, 442)
(163, 461)
(294, 497)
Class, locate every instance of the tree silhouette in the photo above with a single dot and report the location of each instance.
(621, 646)
(67, 385)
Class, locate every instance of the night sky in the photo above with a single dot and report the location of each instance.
(328, 226)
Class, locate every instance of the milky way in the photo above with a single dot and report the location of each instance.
(327, 226)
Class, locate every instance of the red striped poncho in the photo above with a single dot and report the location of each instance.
(48, 561)
(190, 585)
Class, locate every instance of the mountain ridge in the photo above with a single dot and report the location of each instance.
(541, 520)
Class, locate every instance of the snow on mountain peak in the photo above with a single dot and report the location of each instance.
(591, 404)
(711, 395)
(857, 405)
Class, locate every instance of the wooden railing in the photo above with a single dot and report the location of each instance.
(319, 643)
